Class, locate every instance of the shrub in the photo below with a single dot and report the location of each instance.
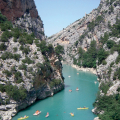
(2, 18)
(6, 25)
(15, 93)
(59, 50)
(26, 50)
(2, 88)
(15, 49)
(6, 55)
(102, 55)
(43, 47)
(104, 62)
(8, 73)
(27, 60)
(5, 36)
(23, 67)
(118, 59)
(16, 57)
(18, 77)
(3, 47)
(105, 86)
(110, 44)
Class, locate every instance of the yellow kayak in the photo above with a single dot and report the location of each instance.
(82, 108)
(23, 118)
(72, 114)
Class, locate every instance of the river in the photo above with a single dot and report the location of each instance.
(61, 104)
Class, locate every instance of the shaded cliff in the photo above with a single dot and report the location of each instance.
(30, 69)
(19, 11)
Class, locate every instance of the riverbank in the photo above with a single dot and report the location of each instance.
(92, 70)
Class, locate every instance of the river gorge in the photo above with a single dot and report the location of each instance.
(61, 104)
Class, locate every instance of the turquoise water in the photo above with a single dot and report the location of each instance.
(61, 104)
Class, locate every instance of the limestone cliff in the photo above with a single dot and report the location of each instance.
(30, 69)
(23, 13)
(102, 26)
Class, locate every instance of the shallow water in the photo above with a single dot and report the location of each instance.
(61, 104)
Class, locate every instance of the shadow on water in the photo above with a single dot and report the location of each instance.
(67, 86)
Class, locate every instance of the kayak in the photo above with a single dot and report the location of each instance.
(77, 89)
(46, 115)
(82, 108)
(37, 113)
(23, 118)
(72, 114)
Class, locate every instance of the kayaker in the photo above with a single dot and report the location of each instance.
(25, 116)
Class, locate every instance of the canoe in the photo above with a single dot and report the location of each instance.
(23, 118)
(37, 113)
(82, 108)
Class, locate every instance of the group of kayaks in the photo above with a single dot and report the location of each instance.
(77, 89)
(36, 113)
(47, 115)
(72, 114)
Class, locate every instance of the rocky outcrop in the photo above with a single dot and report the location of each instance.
(13, 9)
(23, 13)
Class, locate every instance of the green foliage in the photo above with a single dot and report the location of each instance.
(15, 93)
(59, 50)
(91, 26)
(6, 55)
(55, 82)
(118, 59)
(105, 86)
(25, 50)
(2, 88)
(23, 67)
(16, 57)
(7, 25)
(3, 47)
(102, 55)
(105, 38)
(110, 105)
(27, 60)
(50, 49)
(112, 63)
(18, 77)
(117, 73)
(2, 18)
(76, 43)
(8, 73)
(104, 62)
(5, 36)
(15, 49)
(16, 32)
(110, 44)
(89, 58)
(43, 47)
(115, 29)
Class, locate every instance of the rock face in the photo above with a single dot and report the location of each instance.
(16, 9)
(79, 29)
(13, 9)
(94, 26)
(37, 74)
